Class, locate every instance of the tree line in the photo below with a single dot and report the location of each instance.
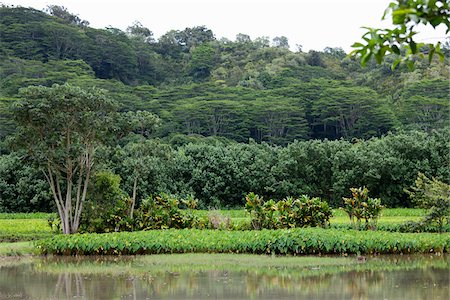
(220, 173)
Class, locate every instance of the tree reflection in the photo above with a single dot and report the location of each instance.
(69, 285)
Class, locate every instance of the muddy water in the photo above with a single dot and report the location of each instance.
(186, 277)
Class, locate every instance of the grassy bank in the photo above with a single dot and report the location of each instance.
(17, 249)
(14, 229)
(294, 241)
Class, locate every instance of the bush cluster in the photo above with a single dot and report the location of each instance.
(361, 206)
(287, 213)
(160, 212)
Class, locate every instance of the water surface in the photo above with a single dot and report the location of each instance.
(200, 276)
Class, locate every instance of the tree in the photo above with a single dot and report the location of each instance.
(243, 38)
(62, 13)
(337, 52)
(406, 15)
(351, 112)
(433, 195)
(138, 31)
(61, 127)
(202, 61)
(315, 59)
(110, 54)
(281, 42)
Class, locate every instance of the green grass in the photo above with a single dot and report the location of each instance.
(389, 219)
(37, 215)
(12, 230)
(294, 241)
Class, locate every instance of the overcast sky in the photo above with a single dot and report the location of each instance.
(314, 24)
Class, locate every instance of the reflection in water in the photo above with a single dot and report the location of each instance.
(87, 278)
(70, 285)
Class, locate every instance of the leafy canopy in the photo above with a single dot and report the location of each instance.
(406, 15)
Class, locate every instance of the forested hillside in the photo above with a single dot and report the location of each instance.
(248, 115)
(247, 88)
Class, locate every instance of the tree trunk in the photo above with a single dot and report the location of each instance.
(70, 207)
(133, 199)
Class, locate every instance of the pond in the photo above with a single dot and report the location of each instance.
(225, 276)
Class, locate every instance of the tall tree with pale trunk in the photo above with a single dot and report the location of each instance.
(61, 127)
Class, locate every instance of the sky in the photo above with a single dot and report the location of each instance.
(313, 24)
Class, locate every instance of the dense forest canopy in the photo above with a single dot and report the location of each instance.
(246, 88)
(234, 115)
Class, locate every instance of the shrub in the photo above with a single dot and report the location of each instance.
(106, 206)
(287, 213)
(163, 212)
(303, 212)
(433, 195)
(361, 206)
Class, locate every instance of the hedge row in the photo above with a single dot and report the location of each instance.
(293, 241)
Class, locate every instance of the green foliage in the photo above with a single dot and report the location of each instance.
(198, 85)
(304, 211)
(216, 92)
(287, 213)
(104, 196)
(160, 212)
(424, 105)
(202, 61)
(219, 173)
(361, 206)
(352, 112)
(433, 195)
(143, 165)
(406, 15)
(22, 187)
(262, 212)
(293, 241)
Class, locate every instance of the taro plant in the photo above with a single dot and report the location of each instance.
(360, 206)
